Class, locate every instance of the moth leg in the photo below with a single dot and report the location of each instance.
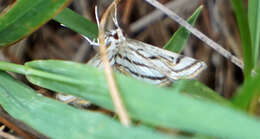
(73, 101)
(91, 42)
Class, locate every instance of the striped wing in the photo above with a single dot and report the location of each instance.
(150, 63)
(156, 64)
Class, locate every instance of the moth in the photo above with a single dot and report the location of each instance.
(144, 61)
(141, 61)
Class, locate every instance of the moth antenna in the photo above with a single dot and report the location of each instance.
(97, 18)
(115, 17)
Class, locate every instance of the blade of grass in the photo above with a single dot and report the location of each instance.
(58, 120)
(184, 112)
(254, 26)
(26, 16)
(77, 23)
(172, 110)
(249, 89)
(179, 39)
(200, 91)
(254, 104)
(240, 12)
(192, 87)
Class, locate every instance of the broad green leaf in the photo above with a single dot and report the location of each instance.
(57, 120)
(254, 26)
(152, 105)
(26, 16)
(180, 37)
(77, 23)
(241, 16)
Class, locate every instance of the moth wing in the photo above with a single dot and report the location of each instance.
(130, 63)
(170, 64)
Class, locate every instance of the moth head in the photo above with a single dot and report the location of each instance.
(115, 36)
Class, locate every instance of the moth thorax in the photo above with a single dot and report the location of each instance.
(115, 36)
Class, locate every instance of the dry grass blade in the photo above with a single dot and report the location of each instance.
(7, 136)
(18, 127)
(128, 9)
(197, 33)
(113, 89)
(157, 14)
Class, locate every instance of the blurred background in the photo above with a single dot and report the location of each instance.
(142, 22)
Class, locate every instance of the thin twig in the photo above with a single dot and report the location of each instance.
(127, 11)
(20, 128)
(14, 127)
(157, 14)
(117, 101)
(197, 33)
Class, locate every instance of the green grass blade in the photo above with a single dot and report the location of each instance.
(241, 16)
(249, 89)
(180, 37)
(26, 16)
(171, 110)
(77, 23)
(58, 120)
(192, 87)
(254, 26)
(200, 91)
(6, 66)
